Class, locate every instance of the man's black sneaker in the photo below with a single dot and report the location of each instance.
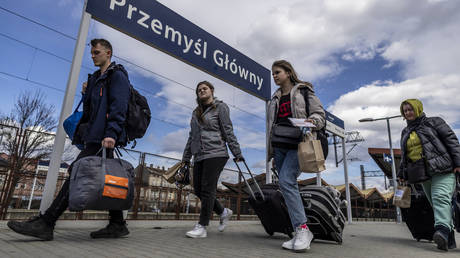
(36, 227)
(113, 230)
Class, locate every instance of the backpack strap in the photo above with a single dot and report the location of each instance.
(321, 133)
(304, 92)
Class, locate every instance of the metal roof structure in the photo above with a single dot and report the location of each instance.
(377, 155)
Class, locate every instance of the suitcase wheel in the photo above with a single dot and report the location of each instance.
(337, 237)
(418, 239)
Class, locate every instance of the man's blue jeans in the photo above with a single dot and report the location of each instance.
(287, 165)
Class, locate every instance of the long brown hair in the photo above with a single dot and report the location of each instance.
(199, 109)
(287, 67)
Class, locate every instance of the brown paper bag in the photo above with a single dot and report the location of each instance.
(171, 172)
(402, 197)
(311, 158)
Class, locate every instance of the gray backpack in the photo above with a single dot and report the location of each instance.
(98, 183)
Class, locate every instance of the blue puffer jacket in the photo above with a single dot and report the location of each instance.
(105, 106)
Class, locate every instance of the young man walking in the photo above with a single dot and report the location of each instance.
(105, 106)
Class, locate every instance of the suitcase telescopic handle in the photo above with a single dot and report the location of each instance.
(246, 182)
(414, 190)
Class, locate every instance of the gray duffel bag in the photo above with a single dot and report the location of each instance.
(98, 183)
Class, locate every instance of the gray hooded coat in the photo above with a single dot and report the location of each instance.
(209, 138)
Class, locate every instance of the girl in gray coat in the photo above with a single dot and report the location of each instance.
(211, 132)
(288, 101)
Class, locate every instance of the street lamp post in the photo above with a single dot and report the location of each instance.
(393, 167)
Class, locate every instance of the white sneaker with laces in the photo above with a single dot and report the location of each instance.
(303, 239)
(289, 245)
(224, 218)
(198, 231)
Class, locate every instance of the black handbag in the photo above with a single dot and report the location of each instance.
(417, 171)
(183, 176)
(286, 134)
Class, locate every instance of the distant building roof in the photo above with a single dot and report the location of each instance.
(377, 156)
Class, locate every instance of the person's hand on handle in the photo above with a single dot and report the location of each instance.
(402, 181)
(108, 143)
(457, 170)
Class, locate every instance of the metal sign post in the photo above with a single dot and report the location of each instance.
(347, 185)
(67, 103)
(336, 126)
(268, 170)
(160, 27)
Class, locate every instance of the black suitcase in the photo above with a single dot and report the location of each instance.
(419, 217)
(268, 203)
(324, 217)
(456, 204)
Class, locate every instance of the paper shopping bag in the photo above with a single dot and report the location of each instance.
(311, 157)
(402, 197)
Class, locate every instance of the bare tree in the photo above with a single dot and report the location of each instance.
(26, 138)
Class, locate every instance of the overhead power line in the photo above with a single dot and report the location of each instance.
(38, 23)
(121, 58)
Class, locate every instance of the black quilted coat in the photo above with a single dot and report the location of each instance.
(439, 143)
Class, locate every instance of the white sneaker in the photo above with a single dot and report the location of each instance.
(224, 218)
(303, 239)
(289, 245)
(198, 231)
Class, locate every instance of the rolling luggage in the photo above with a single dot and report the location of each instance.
(456, 204)
(419, 217)
(322, 208)
(268, 203)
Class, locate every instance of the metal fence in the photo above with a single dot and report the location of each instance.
(155, 198)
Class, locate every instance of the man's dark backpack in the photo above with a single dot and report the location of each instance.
(322, 135)
(138, 117)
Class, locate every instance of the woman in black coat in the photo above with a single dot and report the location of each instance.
(431, 156)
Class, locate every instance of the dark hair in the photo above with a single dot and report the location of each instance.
(287, 67)
(199, 109)
(103, 42)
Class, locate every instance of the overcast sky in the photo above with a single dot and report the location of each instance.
(364, 58)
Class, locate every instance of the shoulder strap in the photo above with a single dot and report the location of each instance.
(79, 104)
(304, 92)
(108, 80)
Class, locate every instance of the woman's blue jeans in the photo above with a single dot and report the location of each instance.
(287, 165)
